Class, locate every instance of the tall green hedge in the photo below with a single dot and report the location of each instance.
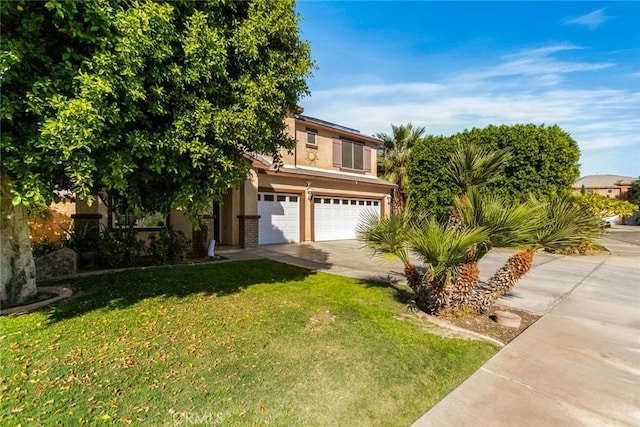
(543, 163)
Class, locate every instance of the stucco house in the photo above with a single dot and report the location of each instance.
(319, 193)
(613, 186)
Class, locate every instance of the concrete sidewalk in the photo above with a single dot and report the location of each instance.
(578, 365)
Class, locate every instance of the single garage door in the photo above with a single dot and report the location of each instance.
(338, 218)
(279, 218)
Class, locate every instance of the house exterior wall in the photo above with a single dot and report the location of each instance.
(239, 208)
(612, 192)
(320, 155)
(52, 223)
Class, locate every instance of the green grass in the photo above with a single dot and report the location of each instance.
(229, 344)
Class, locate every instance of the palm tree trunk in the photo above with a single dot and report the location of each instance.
(455, 221)
(416, 282)
(439, 296)
(414, 278)
(397, 201)
(464, 285)
(486, 294)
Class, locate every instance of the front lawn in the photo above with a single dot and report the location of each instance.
(234, 343)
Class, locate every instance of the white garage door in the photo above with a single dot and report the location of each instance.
(279, 218)
(337, 218)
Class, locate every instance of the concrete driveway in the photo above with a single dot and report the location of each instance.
(623, 240)
(578, 365)
(345, 257)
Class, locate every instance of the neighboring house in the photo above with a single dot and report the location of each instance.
(613, 186)
(325, 185)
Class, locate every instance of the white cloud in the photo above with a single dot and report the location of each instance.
(592, 20)
(527, 87)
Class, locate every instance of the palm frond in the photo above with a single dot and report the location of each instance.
(444, 248)
(387, 236)
(472, 166)
(565, 225)
(507, 225)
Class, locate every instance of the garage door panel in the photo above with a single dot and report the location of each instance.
(338, 219)
(279, 218)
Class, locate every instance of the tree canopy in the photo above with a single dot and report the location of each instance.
(542, 162)
(157, 102)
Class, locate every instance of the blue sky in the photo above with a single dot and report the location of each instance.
(450, 66)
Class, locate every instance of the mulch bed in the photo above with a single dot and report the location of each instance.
(485, 324)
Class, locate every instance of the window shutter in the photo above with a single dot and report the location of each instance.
(337, 153)
(367, 159)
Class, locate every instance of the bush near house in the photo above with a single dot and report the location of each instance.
(119, 248)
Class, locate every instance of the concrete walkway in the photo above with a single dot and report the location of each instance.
(578, 365)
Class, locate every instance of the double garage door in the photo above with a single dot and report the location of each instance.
(334, 218)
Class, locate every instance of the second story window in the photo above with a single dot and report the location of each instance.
(312, 136)
(352, 155)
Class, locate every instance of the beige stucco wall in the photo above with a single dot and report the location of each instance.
(53, 222)
(320, 155)
(614, 193)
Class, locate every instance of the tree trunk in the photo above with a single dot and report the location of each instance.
(18, 270)
(502, 282)
(464, 285)
(397, 201)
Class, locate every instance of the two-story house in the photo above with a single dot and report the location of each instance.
(325, 185)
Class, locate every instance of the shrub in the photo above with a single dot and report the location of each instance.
(603, 206)
(119, 248)
(168, 247)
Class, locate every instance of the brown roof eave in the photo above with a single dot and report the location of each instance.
(312, 176)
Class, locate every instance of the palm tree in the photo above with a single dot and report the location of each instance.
(559, 224)
(392, 163)
(507, 225)
(388, 237)
(451, 252)
(443, 250)
(472, 167)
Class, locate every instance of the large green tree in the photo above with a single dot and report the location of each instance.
(392, 160)
(156, 102)
(543, 162)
